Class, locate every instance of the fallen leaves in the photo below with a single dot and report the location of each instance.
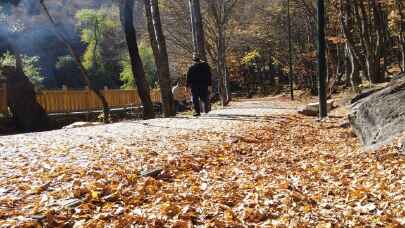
(289, 171)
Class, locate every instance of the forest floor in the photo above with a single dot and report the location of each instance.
(255, 163)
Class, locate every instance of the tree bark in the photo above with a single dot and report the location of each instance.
(197, 29)
(353, 54)
(158, 43)
(221, 11)
(369, 17)
(401, 36)
(126, 16)
(355, 73)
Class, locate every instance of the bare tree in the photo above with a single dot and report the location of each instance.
(126, 16)
(401, 37)
(197, 29)
(221, 11)
(158, 43)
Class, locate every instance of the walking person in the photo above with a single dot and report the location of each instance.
(200, 82)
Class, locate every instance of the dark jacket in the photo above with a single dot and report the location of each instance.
(199, 75)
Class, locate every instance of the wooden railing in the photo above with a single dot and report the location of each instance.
(3, 98)
(64, 101)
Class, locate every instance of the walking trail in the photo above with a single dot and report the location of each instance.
(253, 163)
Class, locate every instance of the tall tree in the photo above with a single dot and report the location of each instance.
(221, 11)
(400, 7)
(197, 29)
(353, 53)
(126, 16)
(158, 43)
(322, 59)
(290, 66)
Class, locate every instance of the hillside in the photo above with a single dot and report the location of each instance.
(36, 36)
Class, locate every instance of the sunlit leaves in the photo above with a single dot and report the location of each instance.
(283, 171)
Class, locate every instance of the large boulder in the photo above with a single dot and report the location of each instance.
(380, 117)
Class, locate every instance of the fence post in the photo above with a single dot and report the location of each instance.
(65, 107)
(87, 98)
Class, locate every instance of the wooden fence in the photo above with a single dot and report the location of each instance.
(65, 101)
(3, 98)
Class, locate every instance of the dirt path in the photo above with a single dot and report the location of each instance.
(156, 130)
(254, 163)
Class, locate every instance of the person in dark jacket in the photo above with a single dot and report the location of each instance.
(199, 81)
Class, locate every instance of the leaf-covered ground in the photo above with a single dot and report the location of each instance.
(239, 167)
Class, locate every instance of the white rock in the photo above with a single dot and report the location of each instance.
(82, 124)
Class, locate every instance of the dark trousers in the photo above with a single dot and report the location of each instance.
(200, 94)
(180, 105)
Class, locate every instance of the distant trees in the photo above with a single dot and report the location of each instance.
(365, 40)
(148, 60)
(68, 73)
(245, 42)
(220, 13)
(369, 23)
(76, 57)
(30, 68)
(101, 33)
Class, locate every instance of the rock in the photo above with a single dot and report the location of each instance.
(365, 94)
(312, 109)
(152, 173)
(345, 124)
(401, 145)
(82, 124)
(378, 118)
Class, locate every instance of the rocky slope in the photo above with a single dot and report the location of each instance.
(380, 117)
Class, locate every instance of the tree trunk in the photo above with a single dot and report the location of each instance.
(401, 36)
(126, 16)
(86, 78)
(402, 47)
(158, 43)
(371, 23)
(355, 73)
(94, 67)
(220, 21)
(379, 54)
(28, 114)
(347, 65)
(197, 29)
(221, 60)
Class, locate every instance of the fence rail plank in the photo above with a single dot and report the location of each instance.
(65, 101)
